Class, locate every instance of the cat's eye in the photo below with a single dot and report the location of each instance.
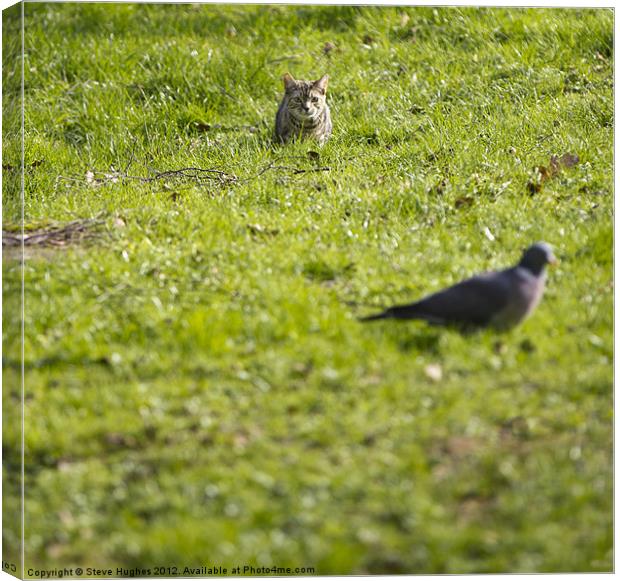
(315, 99)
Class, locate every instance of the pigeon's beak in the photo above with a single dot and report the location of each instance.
(553, 260)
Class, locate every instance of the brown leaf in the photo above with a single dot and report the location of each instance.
(257, 229)
(119, 440)
(202, 126)
(569, 160)
(460, 446)
(533, 187)
(514, 427)
(463, 201)
(315, 155)
(554, 167)
(328, 47)
(367, 39)
(499, 348)
(440, 187)
(556, 164)
(546, 173)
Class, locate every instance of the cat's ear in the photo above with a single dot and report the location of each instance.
(321, 84)
(289, 82)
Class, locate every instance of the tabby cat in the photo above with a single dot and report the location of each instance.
(303, 111)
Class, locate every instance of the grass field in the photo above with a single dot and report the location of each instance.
(198, 388)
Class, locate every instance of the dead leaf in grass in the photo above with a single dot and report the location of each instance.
(516, 427)
(460, 446)
(440, 187)
(202, 126)
(328, 47)
(556, 165)
(569, 160)
(119, 440)
(463, 201)
(257, 229)
(314, 155)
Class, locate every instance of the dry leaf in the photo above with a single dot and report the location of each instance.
(459, 446)
(440, 187)
(463, 201)
(315, 155)
(202, 126)
(328, 47)
(569, 160)
(257, 229)
(543, 173)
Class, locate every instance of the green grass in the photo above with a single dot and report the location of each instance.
(198, 388)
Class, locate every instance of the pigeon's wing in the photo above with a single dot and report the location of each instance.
(475, 301)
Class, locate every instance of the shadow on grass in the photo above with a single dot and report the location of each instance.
(420, 340)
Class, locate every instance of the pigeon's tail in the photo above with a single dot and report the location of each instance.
(405, 312)
(378, 317)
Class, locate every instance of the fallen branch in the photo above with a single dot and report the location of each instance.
(293, 170)
(60, 235)
(195, 174)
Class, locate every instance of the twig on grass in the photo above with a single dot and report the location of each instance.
(197, 175)
(55, 235)
(294, 170)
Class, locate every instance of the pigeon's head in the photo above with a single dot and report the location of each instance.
(536, 257)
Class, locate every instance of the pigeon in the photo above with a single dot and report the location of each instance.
(498, 300)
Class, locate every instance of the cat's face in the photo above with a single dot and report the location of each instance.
(306, 99)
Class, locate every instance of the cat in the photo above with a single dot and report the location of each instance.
(303, 111)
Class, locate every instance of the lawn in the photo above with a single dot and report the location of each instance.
(199, 391)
